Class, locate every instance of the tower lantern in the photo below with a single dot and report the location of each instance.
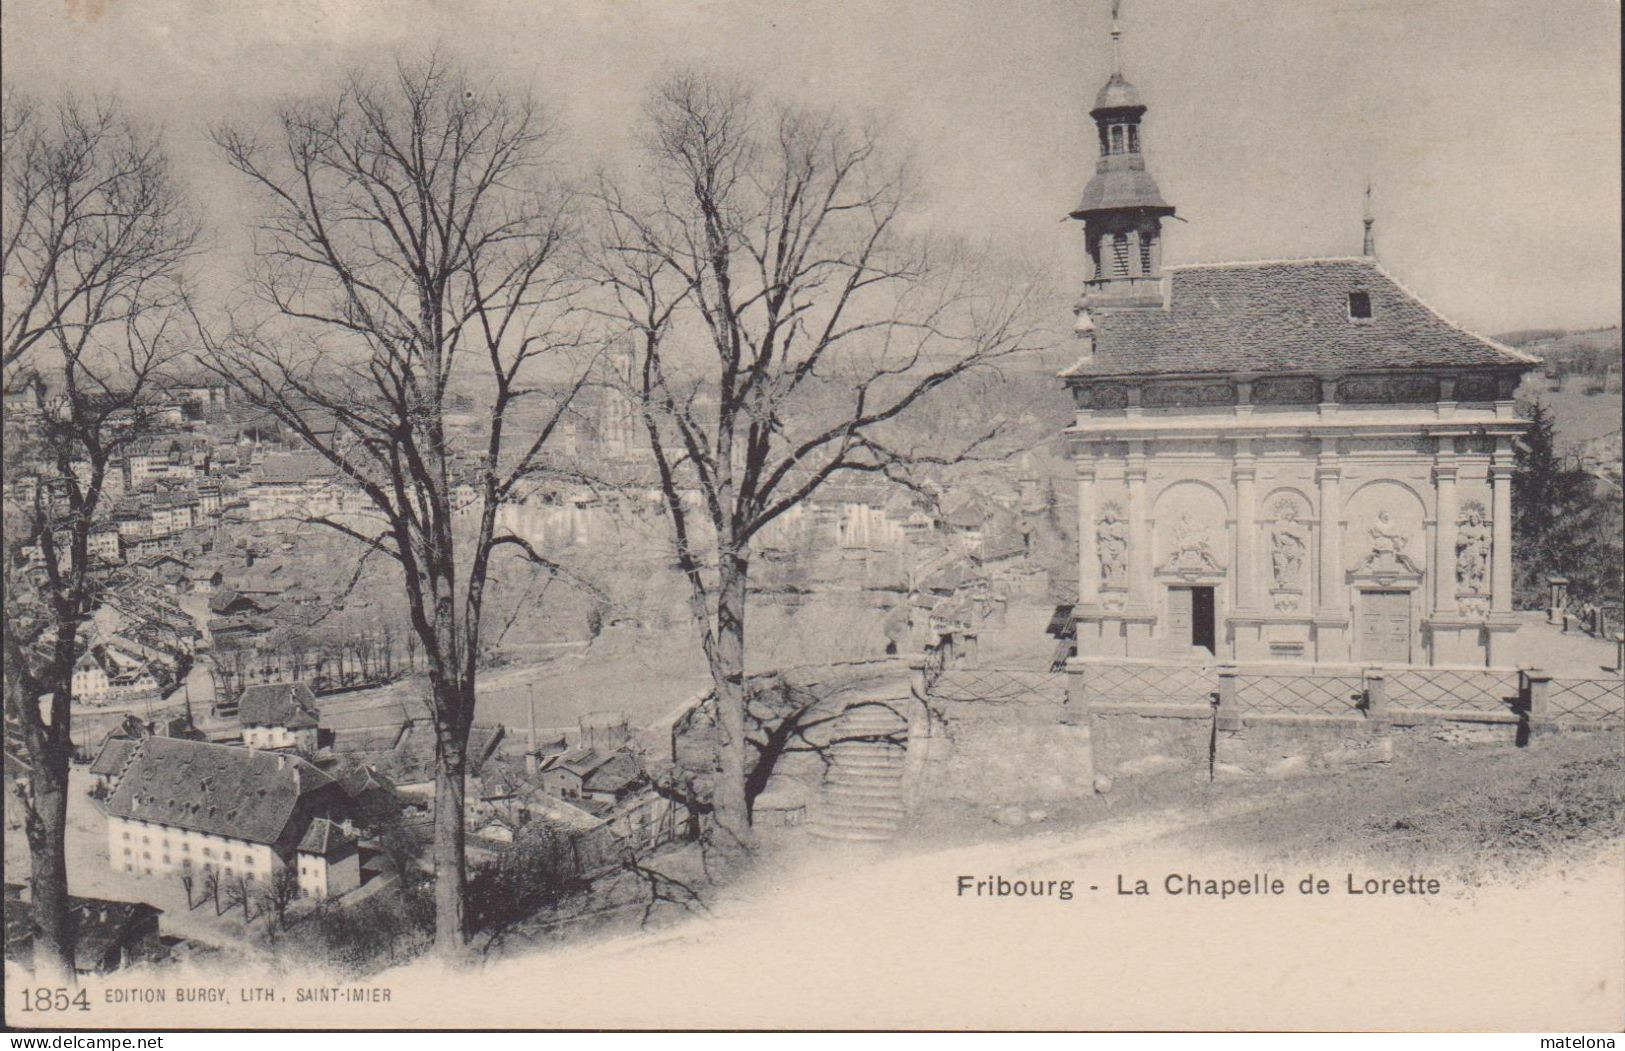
(1122, 209)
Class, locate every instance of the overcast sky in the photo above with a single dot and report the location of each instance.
(1490, 128)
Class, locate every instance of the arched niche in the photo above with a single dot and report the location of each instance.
(1190, 529)
(1385, 518)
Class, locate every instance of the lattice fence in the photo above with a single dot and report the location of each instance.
(1300, 694)
(998, 685)
(1455, 691)
(1586, 699)
(1150, 683)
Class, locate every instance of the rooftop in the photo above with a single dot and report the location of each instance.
(1289, 317)
(218, 789)
(276, 704)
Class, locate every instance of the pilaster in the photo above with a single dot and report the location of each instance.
(1501, 527)
(1088, 557)
(1243, 473)
(1444, 546)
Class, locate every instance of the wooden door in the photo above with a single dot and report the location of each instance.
(1179, 618)
(1385, 626)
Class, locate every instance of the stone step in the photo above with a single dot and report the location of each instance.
(871, 724)
(856, 822)
(868, 771)
(837, 790)
(870, 774)
(859, 753)
(875, 810)
(870, 755)
(850, 836)
(877, 717)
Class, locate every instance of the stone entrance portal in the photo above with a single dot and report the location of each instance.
(1385, 626)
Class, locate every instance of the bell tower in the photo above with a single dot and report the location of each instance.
(1122, 209)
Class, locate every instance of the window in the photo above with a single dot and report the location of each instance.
(207, 852)
(1134, 138)
(225, 855)
(128, 867)
(1360, 306)
(186, 848)
(1145, 253)
(126, 835)
(228, 871)
(1120, 255)
(1117, 138)
(126, 850)
(248, 862)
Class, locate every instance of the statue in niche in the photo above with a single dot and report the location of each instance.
(1386, 539)
(1192, 547)
(1388, 543)
(1288, 547)
(1112, 540)
(1472, 548)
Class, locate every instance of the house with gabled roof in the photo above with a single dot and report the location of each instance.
(239, 813)
(328, 860)
(279, 715)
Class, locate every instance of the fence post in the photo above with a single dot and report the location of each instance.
(1228, 716)
(1537, 685)
(1619, 652)
(1376, 698)
(1557, 597)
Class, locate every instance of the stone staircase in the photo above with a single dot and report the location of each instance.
(862, 798)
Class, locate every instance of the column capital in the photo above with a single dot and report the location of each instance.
(1445, 471)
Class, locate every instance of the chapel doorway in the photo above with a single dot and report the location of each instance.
(1385, 626)
(1192, 618)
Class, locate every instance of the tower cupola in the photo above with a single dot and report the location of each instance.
(1122, 209)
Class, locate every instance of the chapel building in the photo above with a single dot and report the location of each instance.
(1279, 461)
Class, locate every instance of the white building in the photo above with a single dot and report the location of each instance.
(279, 715)
(189, 806)
(329, 861)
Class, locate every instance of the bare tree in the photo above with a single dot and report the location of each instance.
(280, 892)
(416, 251)
(94, 236)
(785, 322)
(238, 895)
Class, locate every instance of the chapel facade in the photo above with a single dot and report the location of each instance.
(1278, 461)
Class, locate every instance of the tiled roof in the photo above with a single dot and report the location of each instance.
(114, 754)
(219, 789)
(1284, 317)
(274, 704)
(325, 839)
(614, 774)
(294, 469)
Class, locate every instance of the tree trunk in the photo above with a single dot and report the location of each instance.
(450, 870)
(48, 879)
(732, 813)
